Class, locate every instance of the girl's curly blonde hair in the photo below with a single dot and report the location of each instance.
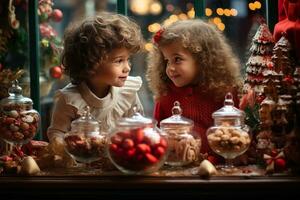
(219, 72)
(88, 43)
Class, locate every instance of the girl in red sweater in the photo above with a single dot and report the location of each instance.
(192, 63)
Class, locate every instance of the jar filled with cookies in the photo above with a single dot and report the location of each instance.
(184, 145)
(136, 146)
(84, 142)
(19, 122)
(229, 137)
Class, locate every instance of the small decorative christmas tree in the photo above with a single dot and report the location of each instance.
(260, 59)
(284, 65)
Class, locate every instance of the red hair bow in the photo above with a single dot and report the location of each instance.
(158, 35)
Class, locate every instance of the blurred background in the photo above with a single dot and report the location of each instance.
(238, 19)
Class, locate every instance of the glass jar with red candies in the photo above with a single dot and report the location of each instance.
(18, 120)
(137, 146)
(84, 142)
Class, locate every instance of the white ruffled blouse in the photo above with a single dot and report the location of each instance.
(72, 99)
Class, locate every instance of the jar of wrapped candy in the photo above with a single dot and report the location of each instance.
(229, 136)
(137, 146)
(184, 145)
(84, 142)
(19, 122)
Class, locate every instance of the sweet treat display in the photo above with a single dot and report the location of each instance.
(184, 146)
(136, 146)
(18, 120)
(229, 136)
(228, 141)
(84, 142)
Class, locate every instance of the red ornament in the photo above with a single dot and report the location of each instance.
(57, 15)
(56, 72)
(280, 164)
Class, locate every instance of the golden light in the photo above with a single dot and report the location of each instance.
(140, 7)
(227, 12)
(233, 12)
(168, 22)
(251, 6)
(221, 26)
(182, 16)
(148, 46)
(173, 18)
(208, 12)
(191, 13)
(220, 11)
(257, 4)
(151, 28)
(156, 27)
(217, 20)
(155, 8)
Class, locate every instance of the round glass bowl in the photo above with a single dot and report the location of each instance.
(137, 146)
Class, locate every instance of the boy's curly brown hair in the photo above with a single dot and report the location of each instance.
(219, 72)
(88, 43)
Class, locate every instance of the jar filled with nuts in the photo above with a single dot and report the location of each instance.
(18, 120)
(184, 145)
(137, 146)
(229, 137)
(84, 142)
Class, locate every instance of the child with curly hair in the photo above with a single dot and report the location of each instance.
(96, 58)
(192, 63)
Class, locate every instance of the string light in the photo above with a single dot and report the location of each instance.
(221, 26)
(255, 5)
(155, 8)
(148, 46)
(220, 11)
(191, 13)
(227, 12)
(208, 12)
(234, 12)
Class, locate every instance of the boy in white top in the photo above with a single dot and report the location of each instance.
(96, 58)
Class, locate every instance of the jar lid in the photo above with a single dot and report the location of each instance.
(136, 120)
(228, 110)
(15, 95)
(86, 122)
(176, 118)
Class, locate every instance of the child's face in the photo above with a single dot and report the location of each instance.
(114, 70)
(181, 66)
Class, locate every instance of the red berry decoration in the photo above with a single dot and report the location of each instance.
(56, 72)
(57, 15)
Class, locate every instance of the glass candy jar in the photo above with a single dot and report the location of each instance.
(184, 146)
(229, 136)
(137, 146)
(18, 120)
(84, 142)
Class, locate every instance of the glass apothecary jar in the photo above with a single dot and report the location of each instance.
(19, 122)
(137, 146)
(229, 137)
(184, 144)
(84, 142)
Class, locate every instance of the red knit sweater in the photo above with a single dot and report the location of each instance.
(195, 106)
